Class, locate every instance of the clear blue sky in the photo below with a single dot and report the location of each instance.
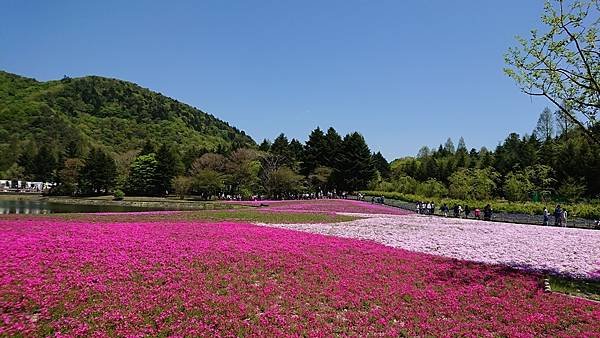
(403, 73)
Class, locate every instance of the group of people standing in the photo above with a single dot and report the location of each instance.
(560, 216)
(425, 208)
(428, 208)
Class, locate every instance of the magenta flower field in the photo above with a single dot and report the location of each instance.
(199, 278)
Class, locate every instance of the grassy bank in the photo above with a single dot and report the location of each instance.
(143, 202)
(251, 215)
(582, 210)
(574, 287)
(11, 196)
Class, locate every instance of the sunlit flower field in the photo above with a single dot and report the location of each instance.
(131, 275)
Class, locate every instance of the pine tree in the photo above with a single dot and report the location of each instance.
(296, 150)
(333, 143)
(44, 163)
(354, 168)
(462, 156)
(98, 173)
(544, 129)
(314, 152)
(281, 148)
(449, 146)
(169, 165)
(461, 145)
(265, 145)
(382, 165)
(143, 177)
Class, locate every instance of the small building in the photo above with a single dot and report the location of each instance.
(24, 186)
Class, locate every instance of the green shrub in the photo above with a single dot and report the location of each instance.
(118, 195)
(583, 210)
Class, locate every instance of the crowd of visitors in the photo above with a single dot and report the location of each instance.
(425, 208)
(458, 211)
(428, 208)
(560, 216)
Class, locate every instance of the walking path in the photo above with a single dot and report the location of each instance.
(498, 216)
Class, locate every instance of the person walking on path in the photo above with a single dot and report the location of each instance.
(477, 213)
(432, 210)
(487, 213)
(467, 211)
(557, 215)
(456, 210)
(445, 210)
(546, 216)
(563, 217)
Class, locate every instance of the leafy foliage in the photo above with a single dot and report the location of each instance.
(562, 63)
(143, 176)
(75, 115)
(98, 174)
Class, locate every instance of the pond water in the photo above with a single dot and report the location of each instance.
(25, 206)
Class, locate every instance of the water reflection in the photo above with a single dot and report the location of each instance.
(41, 207)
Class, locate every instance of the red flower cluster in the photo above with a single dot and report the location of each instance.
(228, 279)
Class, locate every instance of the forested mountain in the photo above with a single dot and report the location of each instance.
(78, 114)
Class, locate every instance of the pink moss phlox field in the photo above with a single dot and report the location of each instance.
(325, 205)
(567, 251)
(230, 279)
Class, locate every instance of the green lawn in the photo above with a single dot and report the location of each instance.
(239, 215)
(575, 287)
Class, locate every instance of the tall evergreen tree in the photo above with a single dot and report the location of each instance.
(168, 166)
(462, 146)
(354, 169)
(143, 177)
(544, 129)
(382, 165)
(296, 150)
(265, 145)
(461, 155)
(449, 146)
(98, 174)
(423, 152)
(314, 151)
(333, 144)
(45, 164)
(281, 146)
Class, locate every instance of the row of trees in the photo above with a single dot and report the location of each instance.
(557, 160)
(326, 163)
(282, 168)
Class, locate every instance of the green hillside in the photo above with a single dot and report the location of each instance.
(94, 111)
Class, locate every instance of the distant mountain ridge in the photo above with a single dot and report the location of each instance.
(96, 111)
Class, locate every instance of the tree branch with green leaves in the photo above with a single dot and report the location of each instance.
(563, 63)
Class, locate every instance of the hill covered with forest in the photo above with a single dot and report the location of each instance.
(92, 111)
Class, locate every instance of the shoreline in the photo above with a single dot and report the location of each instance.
(161, 203)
